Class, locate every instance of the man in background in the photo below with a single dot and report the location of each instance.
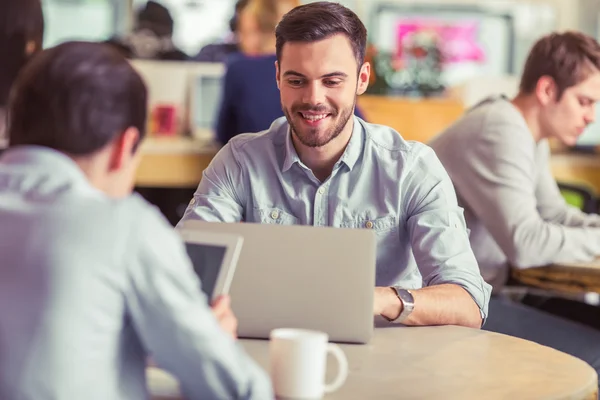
(497, 156)
(94, 280)
(152, 36)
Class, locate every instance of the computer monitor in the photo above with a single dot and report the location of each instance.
(193, 88)
(206, 87)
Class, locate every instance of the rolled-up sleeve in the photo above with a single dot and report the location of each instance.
(438, 232)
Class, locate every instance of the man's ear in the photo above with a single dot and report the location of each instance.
(30, 48)
(124, 148)
(277, 75)
(363, 78)
(546, 90)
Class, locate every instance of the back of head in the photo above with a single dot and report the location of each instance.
(76, 98)
(268, 13)
(257, 22)
(21, 35)
(321, 20)
(568, 58)
(156, 18)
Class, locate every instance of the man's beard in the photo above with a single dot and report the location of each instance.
(310, 137)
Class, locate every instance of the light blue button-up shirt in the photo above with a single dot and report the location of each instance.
(89, 286)
(381, 182)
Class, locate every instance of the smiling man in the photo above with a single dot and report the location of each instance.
(320, 165)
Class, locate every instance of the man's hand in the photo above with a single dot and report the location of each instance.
(222, 310)
(386, 303)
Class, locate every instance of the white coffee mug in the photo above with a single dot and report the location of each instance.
(298, 361)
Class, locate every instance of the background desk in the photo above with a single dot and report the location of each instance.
(445, 363)
(569, 278)
(578, 168)
(175, 162)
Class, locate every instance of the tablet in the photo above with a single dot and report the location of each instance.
(214, 257)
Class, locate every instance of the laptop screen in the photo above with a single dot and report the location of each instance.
(207, 261)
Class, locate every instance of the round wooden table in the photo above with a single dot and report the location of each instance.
(567, 278)
(442, 363)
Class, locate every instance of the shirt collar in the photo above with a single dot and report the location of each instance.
(349, 157)
(58, 164)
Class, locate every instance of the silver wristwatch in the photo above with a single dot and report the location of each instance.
(408, 303)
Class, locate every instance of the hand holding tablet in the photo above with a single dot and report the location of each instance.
(214, 257)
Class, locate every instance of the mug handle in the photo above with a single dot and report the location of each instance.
(339, 380)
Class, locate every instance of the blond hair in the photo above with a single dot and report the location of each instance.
(268, 13)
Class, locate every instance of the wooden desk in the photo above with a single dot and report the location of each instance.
(443, 363)
(566, 278)
(577, 168)
(415, 119)
(175, 162)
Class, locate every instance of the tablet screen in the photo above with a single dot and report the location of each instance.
(207, 261)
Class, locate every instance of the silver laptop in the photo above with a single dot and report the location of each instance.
(307, 277)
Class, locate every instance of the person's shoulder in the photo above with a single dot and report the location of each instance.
(260, 141)
(242, 62)
(494, 116)
(387, 140)
(394, 152)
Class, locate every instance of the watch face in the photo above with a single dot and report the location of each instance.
(407, 299)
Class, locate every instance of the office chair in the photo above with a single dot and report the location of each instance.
(579, 196)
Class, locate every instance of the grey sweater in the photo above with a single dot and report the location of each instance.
(512, 204)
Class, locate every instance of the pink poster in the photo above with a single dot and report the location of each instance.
(457, 40)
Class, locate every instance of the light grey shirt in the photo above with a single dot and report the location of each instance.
(513, 207)
(90, 286)
(381, 182)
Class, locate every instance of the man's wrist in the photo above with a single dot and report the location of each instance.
(393, 305)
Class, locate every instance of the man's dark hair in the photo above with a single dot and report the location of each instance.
(321, 20)
(21, 23)
(157, 18)
(76, 98)
(568, 58)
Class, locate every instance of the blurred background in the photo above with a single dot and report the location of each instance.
(432, 59)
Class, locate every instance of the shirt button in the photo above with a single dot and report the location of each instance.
(192, 202)
(274, 214)
(369, 225)
(321, 190)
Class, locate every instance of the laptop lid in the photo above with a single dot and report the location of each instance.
(307, 277)
(214, 258)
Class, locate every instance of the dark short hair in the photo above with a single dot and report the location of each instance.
(155, 17)
(568, 58)
(321, 20)
(76, 98)
(21, 22)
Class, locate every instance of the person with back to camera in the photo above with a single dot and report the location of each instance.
(93, 280)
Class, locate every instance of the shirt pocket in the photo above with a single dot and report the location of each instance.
(275, 216)
(380, 225)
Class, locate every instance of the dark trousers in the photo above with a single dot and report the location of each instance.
(538, 325)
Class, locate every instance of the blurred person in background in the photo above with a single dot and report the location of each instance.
(218, 52)
(152, 36)
(21, 36)
(250, 100)
(498, 157)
